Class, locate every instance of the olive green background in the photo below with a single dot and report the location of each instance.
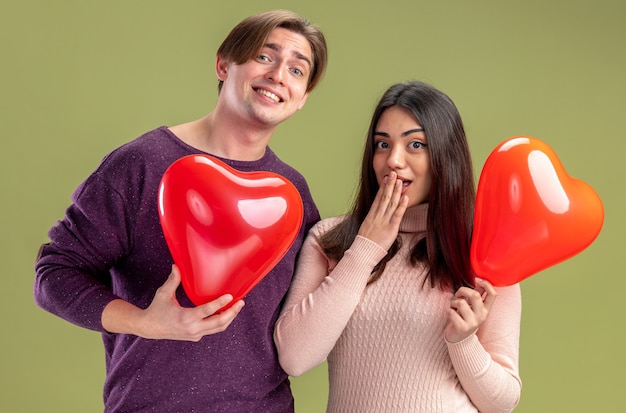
(80, 78)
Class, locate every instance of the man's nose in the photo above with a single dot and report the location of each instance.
(277, 73)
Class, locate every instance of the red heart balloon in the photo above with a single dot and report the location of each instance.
(226, 229)
(530, 214)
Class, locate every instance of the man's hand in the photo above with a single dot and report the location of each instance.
(166, 319)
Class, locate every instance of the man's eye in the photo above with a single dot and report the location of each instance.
(297, 71)
(264, 58)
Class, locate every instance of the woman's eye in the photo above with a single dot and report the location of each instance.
(417, 144)
(381, 145)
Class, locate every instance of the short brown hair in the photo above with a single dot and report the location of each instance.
(247, 38)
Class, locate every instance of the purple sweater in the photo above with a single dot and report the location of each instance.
(110, 245)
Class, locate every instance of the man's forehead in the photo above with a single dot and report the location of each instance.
(281, 39)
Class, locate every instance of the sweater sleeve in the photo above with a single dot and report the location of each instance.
(72, 271)
(487, 362)
(321, 301)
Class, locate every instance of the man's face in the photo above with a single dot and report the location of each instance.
(270, 87)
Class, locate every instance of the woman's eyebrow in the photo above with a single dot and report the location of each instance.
(416, 130)
(404, 134)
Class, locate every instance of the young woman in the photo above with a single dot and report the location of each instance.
(386, 293)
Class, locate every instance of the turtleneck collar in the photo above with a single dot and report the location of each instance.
(414, 219)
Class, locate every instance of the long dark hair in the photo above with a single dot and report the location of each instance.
(445, 251)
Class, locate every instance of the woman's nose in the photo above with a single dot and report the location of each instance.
(396, 159)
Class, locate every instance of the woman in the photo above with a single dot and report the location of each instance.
(386, 293)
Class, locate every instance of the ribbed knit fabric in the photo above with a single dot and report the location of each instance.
(385, 343)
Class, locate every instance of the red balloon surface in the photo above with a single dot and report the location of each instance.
(226, 229)
(530, 214)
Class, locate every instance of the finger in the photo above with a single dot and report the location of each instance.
(400, 210)
(458, 328)
(458, 321)
(391, 180)
(393, 193)
(455, 318)
(232, 311)
(175, 275)
(464, 292)
(219, 322)
(171, 283)
(394, 198)
(388, 199)
(461, 306)
(472, 295)
(383, 195)
(474, 299)
(485, 285)
(211, 307)
(375, 204)
(490, 292)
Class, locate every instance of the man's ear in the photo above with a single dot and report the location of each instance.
(221, 68)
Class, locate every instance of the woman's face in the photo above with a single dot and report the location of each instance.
(401, 146)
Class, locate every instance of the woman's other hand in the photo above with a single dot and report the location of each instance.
(469, 309)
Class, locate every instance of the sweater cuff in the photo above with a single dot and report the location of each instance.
(355, 268)
(469, 356)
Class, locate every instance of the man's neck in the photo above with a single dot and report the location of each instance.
(237, 142)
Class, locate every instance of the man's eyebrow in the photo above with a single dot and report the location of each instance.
(297, 54)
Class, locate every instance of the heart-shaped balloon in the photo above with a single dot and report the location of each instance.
(226, 229)
(530, 214)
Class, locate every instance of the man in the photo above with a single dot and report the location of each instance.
(106, 267)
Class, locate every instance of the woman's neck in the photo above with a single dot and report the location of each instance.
(415, 219)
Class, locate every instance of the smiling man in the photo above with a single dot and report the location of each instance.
(107, 266)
